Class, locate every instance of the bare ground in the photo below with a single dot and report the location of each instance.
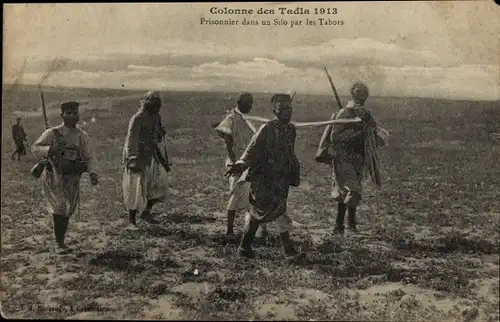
(428, 250)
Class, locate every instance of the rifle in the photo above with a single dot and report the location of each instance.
(337, 98)
(44, 110)
(38, 168)
(322, 155)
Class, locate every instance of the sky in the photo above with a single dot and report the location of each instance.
(441, 49)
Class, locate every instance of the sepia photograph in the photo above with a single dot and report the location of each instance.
(272, 161)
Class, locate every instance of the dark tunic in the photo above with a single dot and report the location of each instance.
(273, 168)
(145, 131)
(348, 150)
(19, 136)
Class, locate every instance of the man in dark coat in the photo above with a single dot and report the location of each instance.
(272, 168)
(19, 137)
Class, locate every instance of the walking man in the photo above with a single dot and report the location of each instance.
(19, 137)
(67, 154)
(272, 168)
(353, 147)
(237, 133)
(145, 161)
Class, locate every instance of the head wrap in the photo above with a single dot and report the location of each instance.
(359, 92)
(151, 97)
(69, 106)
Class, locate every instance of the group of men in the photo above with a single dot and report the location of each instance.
(261, 166)
(65, 153)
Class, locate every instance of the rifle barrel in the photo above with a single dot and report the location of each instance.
(337, 98)
(43, 108)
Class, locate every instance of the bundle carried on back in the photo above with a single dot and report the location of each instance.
(374, 138)
(323, 154)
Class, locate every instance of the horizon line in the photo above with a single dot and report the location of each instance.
(4, 85)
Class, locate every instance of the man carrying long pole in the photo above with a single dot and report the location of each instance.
(237, 132)
(272, 168)
(270, 165)
(353, 150)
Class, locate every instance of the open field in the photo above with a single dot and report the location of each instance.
(428, 250)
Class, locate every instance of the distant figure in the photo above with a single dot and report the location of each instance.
(237, 133)
(19, 137)
(272, 168)
(352, 146)
(69, 154)
(145, 161)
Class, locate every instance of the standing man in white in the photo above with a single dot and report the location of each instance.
(237, 133)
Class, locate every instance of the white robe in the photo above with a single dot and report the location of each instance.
(138, 188)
